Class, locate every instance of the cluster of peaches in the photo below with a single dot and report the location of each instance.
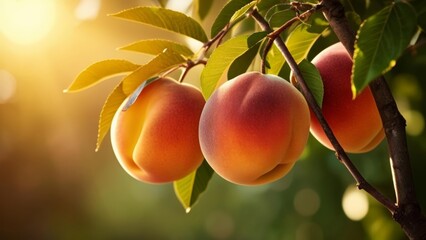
(251, 130)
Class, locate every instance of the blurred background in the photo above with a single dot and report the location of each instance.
(53, 185)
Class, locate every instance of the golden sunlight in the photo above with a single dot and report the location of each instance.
(26, 21)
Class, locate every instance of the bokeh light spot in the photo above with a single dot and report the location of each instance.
(355, 204)
(407, 86)
(7, 86)
(87, 9)
(306, 202)
(415, 122)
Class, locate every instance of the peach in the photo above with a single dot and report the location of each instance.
(253, 128)
(355, 122)
(156, 139)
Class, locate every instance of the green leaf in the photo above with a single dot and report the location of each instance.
(225, 15)
(134, 96)
(301, 40)
(242, 62)
(167, 19)
(281, 17)
(313, 79)
(268, 5)
(202, 7)
(189, 188)
(112, 103)
(276, 60)
(255, 38)
(274, 9)
(98, 71)
(161, 63)
(381, 39)
(157, 46)
(221, 59)
(242, 11)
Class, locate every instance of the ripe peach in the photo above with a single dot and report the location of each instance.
(253, 128)
(156, 139)
(355, 122)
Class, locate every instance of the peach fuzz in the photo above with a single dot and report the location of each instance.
(355, 122)
(156, 139)
(253, 128)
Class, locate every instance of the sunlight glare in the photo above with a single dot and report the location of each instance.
(26, 21)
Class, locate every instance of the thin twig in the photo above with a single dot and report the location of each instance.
(299, 17)
(201, 55)
(189, 65)
(275, 33)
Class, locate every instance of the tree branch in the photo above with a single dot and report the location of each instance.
(340, 153)
(408, 213)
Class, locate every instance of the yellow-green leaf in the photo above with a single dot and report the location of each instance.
(189, 188)
(300, 41)
(98, 71)
(157, 46)
(225, 15)
(135, 94)
(241, 12)
(161, 63)
(113, 102)
(202, 7)
(222, 57)
(281, 17)
(166, 19)
(276, 60)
